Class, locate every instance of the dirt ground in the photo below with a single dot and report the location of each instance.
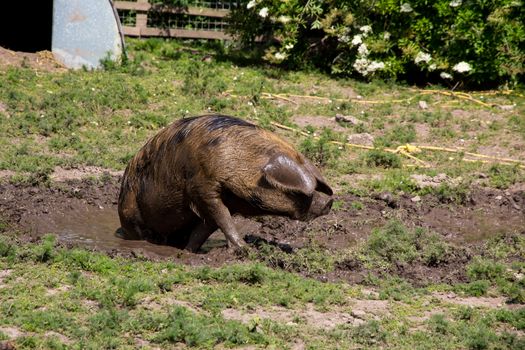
(42, 60)
(84, 213)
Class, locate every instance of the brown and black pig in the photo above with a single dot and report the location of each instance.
(190, 178)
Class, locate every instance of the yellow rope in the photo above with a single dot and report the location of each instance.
(404, 150)
(457, 94)
(408, 150)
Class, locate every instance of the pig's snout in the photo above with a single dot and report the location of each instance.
(321, 205)
(327, 207)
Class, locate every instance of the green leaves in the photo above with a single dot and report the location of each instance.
(487, 35)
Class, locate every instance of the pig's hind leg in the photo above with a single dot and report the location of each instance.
(199, 235)
(130, 217)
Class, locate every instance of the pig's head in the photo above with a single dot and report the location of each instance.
(293, 189)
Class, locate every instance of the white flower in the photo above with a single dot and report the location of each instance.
(406, 7)
(344, 38)
(357, 39)
(251, 4)
(361, 65)
(455, 3)
(283, 19)
(444, 75)
(386, 35)
(462, 67)
(374, 65)
(362, 50)
(365, 67)
(289, 46)
(366, 29)
(432, 67)
(422, 57)
(280, 56)
(263, 12)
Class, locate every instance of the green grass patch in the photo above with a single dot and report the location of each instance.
(395, 243)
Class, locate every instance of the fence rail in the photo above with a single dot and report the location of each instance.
(175, 22)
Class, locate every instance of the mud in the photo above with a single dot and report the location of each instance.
(83, 213)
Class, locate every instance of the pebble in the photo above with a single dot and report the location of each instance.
(423, 105)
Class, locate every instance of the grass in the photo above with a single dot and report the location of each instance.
(102, 117)
(72, 298)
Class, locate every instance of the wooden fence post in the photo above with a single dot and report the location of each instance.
(142, 18)
(141, 29)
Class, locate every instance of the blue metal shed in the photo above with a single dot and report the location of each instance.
(79, 32)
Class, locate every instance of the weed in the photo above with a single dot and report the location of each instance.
(182, 326)
(479, 337)
(446, 133)
(311, 260)
(396, 288)
(504, 246)
(484, 272)
(369, 334)
(394, 180)
(357, 205)
(485, 269)
(7, 248)
(514, 290)
(394, 243)
(516, 318)
(476, 288)
(447, 193)
(399, 134)
(503, 176)
(464, 313)
(338, 205)
(46, 250)
(439, 324)
(380, 158)
(517, 123)
(320, 150)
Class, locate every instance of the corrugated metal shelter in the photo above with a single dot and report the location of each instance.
(79, 32)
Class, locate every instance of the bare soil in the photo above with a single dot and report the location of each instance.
(83, 213)
(42, 60)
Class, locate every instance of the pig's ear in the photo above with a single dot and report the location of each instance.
(322, 185)
(285, 174)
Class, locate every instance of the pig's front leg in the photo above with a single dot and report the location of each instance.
(210, 208)
(221, 216)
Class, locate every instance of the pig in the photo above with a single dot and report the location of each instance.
(191, 177)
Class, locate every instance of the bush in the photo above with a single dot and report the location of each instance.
(321, 150)
(380, 158)
(395, 243)
(476, 42)
(485, 269)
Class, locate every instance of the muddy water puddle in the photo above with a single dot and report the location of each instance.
(472, 226)
(90, 226)
(95, 228)
(85, 214)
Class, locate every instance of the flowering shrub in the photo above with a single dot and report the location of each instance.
(474, 41)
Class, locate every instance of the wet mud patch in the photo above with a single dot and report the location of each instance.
(83, 213)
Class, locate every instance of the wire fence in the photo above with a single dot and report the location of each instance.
(203, 19)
